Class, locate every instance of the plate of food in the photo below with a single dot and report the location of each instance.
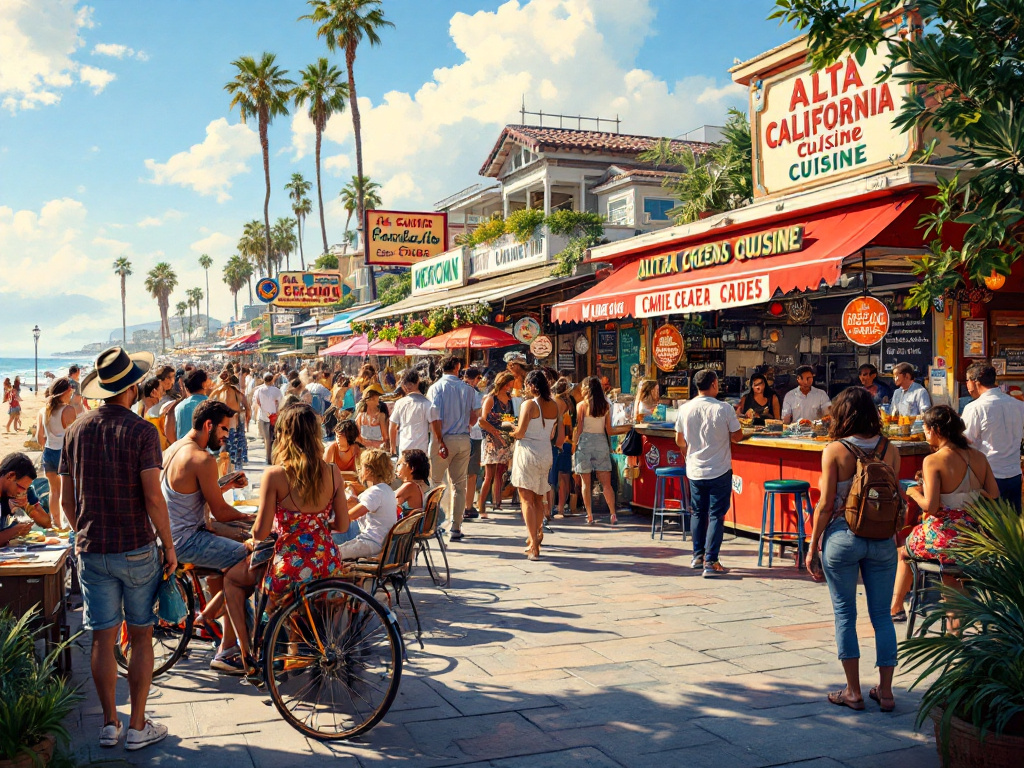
(247, 509)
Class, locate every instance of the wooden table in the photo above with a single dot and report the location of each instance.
(41, 581)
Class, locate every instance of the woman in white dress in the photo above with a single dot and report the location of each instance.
(531, 461)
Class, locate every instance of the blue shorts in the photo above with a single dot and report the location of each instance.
(592, 454)
(51, 459)
(205, 549)
(118, 587)
(561, 462)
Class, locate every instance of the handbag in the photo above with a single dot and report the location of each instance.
(632, 444)
(171, 605)
(263, 553)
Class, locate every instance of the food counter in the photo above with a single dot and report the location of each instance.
(754, 461)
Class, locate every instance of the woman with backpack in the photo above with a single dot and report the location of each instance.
(859, 459)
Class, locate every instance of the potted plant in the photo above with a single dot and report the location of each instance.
(975, 675)
(34, 700)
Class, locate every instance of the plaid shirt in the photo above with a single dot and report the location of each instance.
(105, 452)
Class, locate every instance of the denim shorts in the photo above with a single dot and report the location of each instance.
(593, 454)
(205, 549)
(51, 459)
(474, 457)
(118, 587)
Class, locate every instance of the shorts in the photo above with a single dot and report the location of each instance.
(474, 458)
(14, 409)
(51, 459)
(119, 586)
(205, 549)
(564, 460)
(593, 454)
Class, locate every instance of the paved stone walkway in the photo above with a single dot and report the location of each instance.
(608, 652)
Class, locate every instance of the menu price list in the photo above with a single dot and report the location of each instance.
(909, 340)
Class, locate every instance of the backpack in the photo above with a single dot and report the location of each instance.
(875, 508)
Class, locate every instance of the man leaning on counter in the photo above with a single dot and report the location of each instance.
(805, 402)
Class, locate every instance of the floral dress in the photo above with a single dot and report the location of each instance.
(304, 551)
(932, 538)
(497, 450)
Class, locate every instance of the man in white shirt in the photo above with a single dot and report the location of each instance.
(995, 426)
(267, 398)
(909, 398)
(411, 416)
(805, 402)
(706, 428)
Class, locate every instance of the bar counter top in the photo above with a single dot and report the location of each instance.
(905, 448)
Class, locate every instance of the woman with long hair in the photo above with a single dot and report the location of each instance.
(344, 451)
(759, 402)
(414, 471)
(647, 400)
(229, 393)
(364, 380)
(372, 421)
(838, 556)
(302, 499)
(51, 425)
(531, 460)
(496, 450)
(593, 449)
(14, 406)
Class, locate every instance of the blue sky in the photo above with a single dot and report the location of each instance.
(116, 139)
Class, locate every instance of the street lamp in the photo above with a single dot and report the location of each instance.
(35, 335)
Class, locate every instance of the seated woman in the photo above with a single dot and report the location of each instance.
(414, 471)
(375, 509)
(302, 499)
(345, 450)
(759, 402)
(372, 420)
(953, 477)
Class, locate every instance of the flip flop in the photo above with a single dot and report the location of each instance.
(899, 617)
(873, 694)
(839, 699)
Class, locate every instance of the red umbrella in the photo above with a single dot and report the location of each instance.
(472, 337)
(346, 347)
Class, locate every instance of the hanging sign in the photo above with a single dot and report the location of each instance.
(582, 345)
(865, 321)
(773, 242)
(526, 329)
(401, 238)
(445, 271)
(308, 289)
(267, 289)
(668, 347)
(541, 347)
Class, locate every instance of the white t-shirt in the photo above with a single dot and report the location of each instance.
(707, 425)
(382, 515)
(413, 414)
(267, 397)
(811, 406)
(995, 426)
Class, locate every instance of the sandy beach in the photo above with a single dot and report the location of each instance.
(15, 441)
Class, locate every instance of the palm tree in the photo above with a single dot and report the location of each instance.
(195, 297)
(123, 267)
(251, 247)
(359, 187)
(180, 308)
(160, 282)
(297, 189)
(236, 272)
(344, 24)
(261, 90)
(284, 238)
(322, 86)
(206, 262)
(302, 210)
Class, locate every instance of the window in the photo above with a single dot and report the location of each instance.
(657, 208)
(618, 211)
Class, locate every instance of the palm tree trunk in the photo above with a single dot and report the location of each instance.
(319, 191)
(350, 61)
(249, 281)
(235, 294)
(302, 256)
(265, 144)
(124, 321)
(207, 302)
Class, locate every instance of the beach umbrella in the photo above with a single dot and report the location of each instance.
(342, 347)
(471, 337)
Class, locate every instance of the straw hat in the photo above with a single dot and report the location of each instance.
(116, 370)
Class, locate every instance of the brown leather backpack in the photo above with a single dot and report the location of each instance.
(875, 508)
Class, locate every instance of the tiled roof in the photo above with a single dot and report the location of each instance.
(654, 174)
(538, 139)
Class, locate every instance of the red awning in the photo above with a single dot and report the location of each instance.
(828, 238)
(250, 338)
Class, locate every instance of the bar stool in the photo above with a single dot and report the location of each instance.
(799, 490)
(665, 475)
(925, 595)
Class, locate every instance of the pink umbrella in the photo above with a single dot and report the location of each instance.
(346, 347)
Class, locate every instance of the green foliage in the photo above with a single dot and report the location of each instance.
(570, 257)
(977, 674)
(393, 288)
(326, 261)
(583, 228)
(436, 322)
(523, 224)
(485, 232)
(346, 302)
(34, 700)
(969, 78)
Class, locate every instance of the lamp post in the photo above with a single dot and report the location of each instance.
(35, 335)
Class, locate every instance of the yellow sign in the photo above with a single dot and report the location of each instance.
(401, 239)
(774, 242)
(308, 289)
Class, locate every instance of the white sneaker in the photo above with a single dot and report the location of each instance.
(111, 734)
(151, 734)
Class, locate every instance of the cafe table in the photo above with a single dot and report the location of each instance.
(38, 577)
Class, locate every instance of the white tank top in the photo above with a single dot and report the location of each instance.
(55, 430)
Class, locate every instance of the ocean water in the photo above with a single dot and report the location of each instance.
(25, 368)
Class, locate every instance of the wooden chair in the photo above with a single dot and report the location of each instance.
(394, 564)
(429, 530)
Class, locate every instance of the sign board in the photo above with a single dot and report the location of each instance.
(526, 329)
(1014, 359)
(668, 347)
(736, 292)
(308, 289)
(606, 343)
(403, 238)
(282, 324)
(267, 289)
(506, 254)
(629, 356)
(541, 347)
(445, 271)
(813, 128)
(974, 338)
(865, 321)
(774, 242)
(909, 340)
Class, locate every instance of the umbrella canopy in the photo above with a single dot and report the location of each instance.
(346, 347)
(385, 348)
(471, 337)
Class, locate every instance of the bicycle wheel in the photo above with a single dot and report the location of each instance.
(170, 641)
(332, 660)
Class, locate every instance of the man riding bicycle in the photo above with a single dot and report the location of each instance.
(189, 485)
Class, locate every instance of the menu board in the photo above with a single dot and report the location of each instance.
(606, 343)
(1014, 359)
(909, 340)
(629, 355)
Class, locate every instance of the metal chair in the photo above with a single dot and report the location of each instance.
(925, 594)
(661, 509)
(428, 530)
(799, 490)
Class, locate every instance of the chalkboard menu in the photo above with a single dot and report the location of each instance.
(909, 340)
(629, 355)
(606, 343)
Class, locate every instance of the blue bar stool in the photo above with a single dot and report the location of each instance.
(799, 490)
(662, 509)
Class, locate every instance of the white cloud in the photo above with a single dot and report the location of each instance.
(209, 167)
(217, 245)
(118, 51)
(96, 78)
(568, 56)
(158, 221)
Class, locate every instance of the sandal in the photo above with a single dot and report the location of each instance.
(591, 521)
(614, 519)
(839, 699)
(899, 617)
(873, 694)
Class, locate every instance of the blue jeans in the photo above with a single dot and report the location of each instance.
(844, 556)
(119, 587)
(1010, 488)
(206, 549)
(709, 504)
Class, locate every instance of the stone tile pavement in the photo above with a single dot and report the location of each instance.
(609, 652)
